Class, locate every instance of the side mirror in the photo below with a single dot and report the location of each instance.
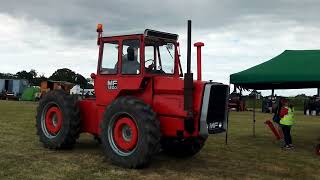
(93, 75)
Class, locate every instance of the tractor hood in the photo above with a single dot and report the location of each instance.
(209, 102)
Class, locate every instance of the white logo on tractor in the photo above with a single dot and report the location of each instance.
(214, 125)
(112, 84)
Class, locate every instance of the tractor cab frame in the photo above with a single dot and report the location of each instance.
(148, 50)
(137, 66)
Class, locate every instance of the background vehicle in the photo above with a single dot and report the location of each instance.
(312, 106)
(269, 104)
(12, 88)
(49, 85)
(236, 102)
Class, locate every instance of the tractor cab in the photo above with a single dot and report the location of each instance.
(127, 64)
(147, 53)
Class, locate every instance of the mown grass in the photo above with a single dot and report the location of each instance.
(245, 157)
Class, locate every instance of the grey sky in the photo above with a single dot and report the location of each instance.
(78, 16)
(46, 35)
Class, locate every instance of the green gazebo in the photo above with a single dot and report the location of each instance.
(292, 69)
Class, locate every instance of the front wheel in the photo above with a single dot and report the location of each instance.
(130, 132)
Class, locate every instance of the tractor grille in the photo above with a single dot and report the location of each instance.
(217, 109)
(214, 110)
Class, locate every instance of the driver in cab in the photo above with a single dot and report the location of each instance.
(130, 64)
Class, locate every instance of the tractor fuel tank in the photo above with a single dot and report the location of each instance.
(89, 116)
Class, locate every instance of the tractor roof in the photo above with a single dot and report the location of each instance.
(149, 33)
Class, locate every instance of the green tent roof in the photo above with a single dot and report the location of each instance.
(291, 69)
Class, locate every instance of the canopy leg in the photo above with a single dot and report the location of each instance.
(227, 128)
(254, 117)
(228, 118)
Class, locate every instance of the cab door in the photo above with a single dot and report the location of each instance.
(119, 69)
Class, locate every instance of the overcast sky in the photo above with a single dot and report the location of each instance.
(47, 35)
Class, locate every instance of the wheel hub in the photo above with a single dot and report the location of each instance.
(125, 134)
(53, 120)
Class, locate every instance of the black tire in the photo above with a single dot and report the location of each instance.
(238, 107)
(318, 149)
(97, 139)
(70, 128)
(148, 128)
(182, 148)
(305, 107)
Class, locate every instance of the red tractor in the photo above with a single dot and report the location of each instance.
(142, 103)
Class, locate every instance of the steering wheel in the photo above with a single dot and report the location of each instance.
(149, 60)
(151, 69)
(151, 66)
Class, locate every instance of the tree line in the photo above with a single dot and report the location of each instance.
(63, 74)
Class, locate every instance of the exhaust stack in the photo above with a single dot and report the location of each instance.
(188, 87)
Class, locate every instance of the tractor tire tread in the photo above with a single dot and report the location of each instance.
(182, 148)
(148, 122)
(68, 104)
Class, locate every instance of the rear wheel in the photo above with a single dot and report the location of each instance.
(58, 120)
(130, 132)
(182, 147)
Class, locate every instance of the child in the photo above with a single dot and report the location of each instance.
(286, 122)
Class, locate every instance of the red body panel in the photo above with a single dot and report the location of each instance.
(166, 98)
(170, 125)
(89, 120)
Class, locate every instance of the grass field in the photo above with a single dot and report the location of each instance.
(245, 157)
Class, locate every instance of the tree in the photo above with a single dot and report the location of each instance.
(90, 83)
(33, 73)
(68, 75)
(90, 86)
(27, 75)
(37, 81)
(81, 81)
(301, 96)
(7, 76)
(63, 75)
(90, 80)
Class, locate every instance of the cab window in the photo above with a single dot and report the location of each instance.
(159, 56)
(110, 58)
(130, 56)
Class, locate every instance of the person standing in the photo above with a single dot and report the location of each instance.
(286, 122)
(276, 118)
